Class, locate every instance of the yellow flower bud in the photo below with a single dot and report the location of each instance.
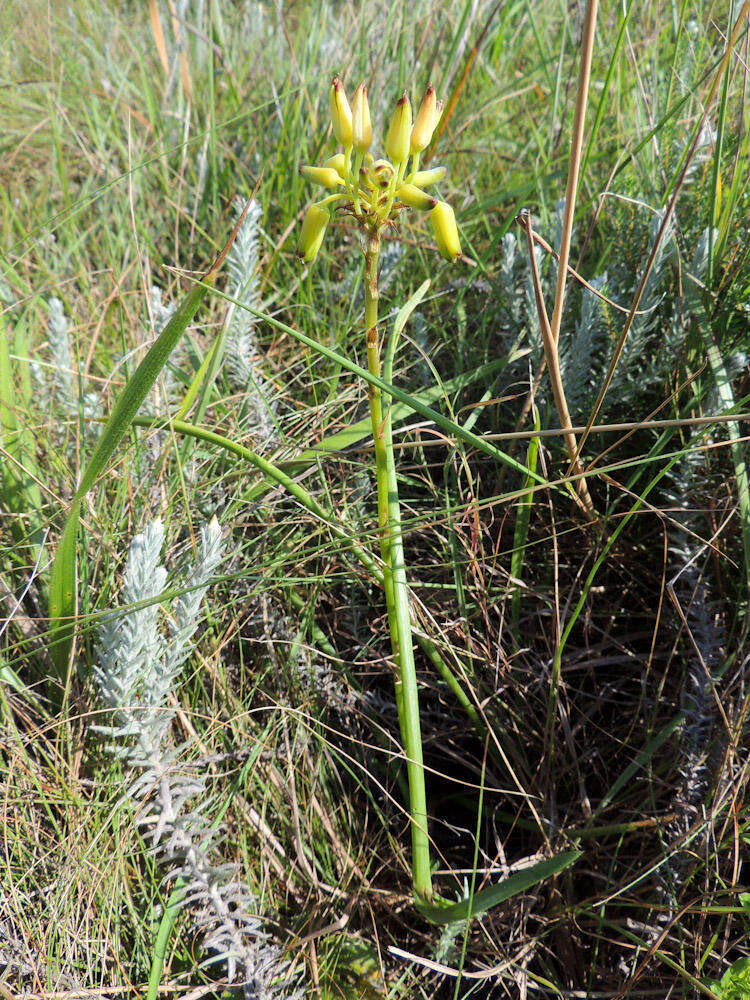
(338, 162)
(361, 124)
(415, 198)
(399, 133)
(425, 122)
(446, 233)
(329, 177)
(312, 233)
(341, 114)
(426, 178)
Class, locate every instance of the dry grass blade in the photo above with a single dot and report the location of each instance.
(553, 364)
(161, 46)
(576, 145)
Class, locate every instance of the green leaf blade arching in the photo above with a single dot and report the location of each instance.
(484, 900)
(64, 579)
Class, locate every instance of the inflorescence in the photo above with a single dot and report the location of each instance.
(374, 191)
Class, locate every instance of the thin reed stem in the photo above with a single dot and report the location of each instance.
(555, 377)
(576, 145)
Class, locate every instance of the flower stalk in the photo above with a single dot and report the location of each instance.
(395, 585)
(374, 194)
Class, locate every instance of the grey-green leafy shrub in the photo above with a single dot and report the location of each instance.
(138, 665)
(242, 358)
(58, 381)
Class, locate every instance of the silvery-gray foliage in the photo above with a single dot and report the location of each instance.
(243, 356)
(507, 274)
(530, 312)
(641, 364)
(577, 351)
(60, 388)
(137, 668)
(558, 218)
(704, 644)
(161, 311)
(166, 388)
(59, 344)
(658, 334)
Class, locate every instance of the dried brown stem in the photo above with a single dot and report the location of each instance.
(576, 145)
(553, 365)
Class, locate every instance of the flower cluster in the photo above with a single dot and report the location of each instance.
(375, 191)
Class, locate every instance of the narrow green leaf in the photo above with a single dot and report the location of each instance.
(496, 894)
(166, 926)
(523, 517)
(362, 429)
(411, 401)
(19, 490)
(63, 591)
(737, 447)
(63, 581)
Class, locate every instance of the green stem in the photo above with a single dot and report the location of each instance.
(376, 417)
(414, 167)
(396, 179)
(395, 585)
(357, 165)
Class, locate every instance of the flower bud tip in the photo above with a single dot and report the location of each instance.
(399, 134)
(341, 114)
(361, 124)
(312, 232)
(425, 122)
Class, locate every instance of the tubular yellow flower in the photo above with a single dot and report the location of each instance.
(361, 123)
(415, 198)
(399, 133)
(329, 177)
(338, 162)
(446, 233)
(425, 122)
(312, 233)
(426, 178)
(341, 113)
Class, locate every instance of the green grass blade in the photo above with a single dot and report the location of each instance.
(64, 578)
(63, 593)
(523, 517)
(737, 448)
(166, 926)
(362, 429)
(496, 894)
(19, 488)
(415, 404)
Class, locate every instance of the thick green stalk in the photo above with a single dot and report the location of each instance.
(376, 416)
(395, 586)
